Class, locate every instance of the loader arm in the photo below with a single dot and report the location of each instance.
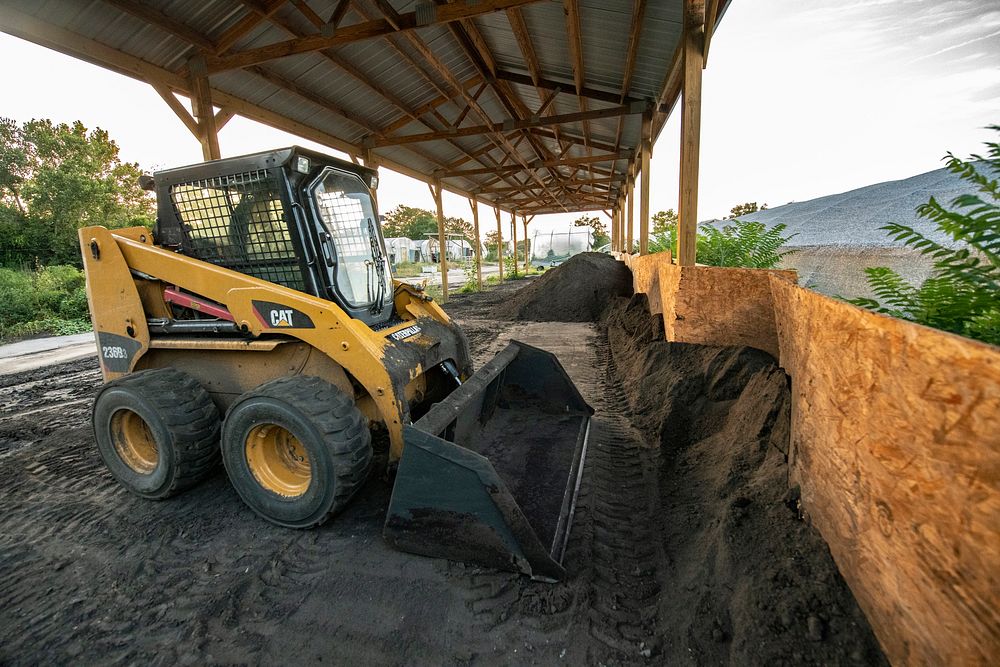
(380, 364)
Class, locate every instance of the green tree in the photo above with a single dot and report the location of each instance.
(962, 295)
(745, 209)
(55, 179)
(664, 219)
(599, 228)
(417, 223)
(492, 246)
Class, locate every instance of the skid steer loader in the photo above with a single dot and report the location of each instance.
(259, 323)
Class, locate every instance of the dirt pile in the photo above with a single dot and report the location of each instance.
(750, 582)
(577, 291)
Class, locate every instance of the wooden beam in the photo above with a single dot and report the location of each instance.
(524, 221)
(359, 31)
(513, 231)
(563, 86)
(523, 37)
(630, 219)
(442, 241)
(496, 209)
(572, 10)
(478, 244)
(245, 25)
(711, 19)
(339, 12)
(567, 183)
(646, 153)
(507, 125)
(166, 23)
(201, 106)
(175, 105)
(694, 54)
(222, 117)
(565, 162)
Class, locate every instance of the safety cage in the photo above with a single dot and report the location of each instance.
(257, 215)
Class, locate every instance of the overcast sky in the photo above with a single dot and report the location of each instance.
(801, 99)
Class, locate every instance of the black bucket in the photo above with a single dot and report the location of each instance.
(490, 474)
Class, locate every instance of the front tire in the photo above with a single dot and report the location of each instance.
(157, 431)
(296, 450)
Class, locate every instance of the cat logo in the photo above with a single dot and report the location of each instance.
(281, 318)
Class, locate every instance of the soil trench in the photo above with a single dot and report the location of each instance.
(686, 547)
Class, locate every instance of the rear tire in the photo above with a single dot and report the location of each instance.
(157, 431)
(296, 450)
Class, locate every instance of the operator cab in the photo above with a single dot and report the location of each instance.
(292, 216)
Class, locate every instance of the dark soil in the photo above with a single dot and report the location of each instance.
(686, 546)
(751, 583)
(575, 291)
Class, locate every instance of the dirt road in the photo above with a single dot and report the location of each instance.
(89, 573)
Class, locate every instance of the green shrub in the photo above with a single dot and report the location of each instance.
(50, 299)
(741, 243)
(962, 295)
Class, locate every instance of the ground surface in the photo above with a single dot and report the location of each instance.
(89, 573)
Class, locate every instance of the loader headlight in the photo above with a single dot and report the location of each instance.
(373, 184)
(302, 165)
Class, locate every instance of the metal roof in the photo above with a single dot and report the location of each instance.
(529, 105)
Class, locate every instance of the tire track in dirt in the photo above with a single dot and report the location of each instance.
(606, 611)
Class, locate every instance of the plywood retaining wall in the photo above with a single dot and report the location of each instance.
(895, 446)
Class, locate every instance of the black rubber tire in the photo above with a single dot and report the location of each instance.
(330, 428)
(182, 420)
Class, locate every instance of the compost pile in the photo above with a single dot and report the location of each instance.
(750, 582)
(576, 291)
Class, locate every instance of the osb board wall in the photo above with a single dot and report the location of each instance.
(896, 447)
(645, 276)
(719, 306)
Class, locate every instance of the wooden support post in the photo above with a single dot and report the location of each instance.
(647, 149)
(371, 161)
(442, 241)
(524, 219)
(629, 220)
(513, 232)
(201, 105)
(693, 41)
(614, 231)
(478, 244)
(496, 209)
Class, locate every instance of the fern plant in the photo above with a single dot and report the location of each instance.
(962, 295)
(741, 244)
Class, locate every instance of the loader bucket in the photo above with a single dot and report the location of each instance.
(490, 474)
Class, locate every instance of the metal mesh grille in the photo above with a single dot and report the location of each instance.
(238, 222)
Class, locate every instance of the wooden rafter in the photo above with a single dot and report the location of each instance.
(254, 17)
(401, 23)
(625, 155)
(507, 125)
(164, 22)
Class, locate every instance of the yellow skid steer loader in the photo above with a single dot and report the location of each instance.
(259, 323)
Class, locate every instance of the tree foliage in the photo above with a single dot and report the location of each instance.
(599, 228)
(962, 295)
(417, 223)
(56, 178)
(663, 220)
(741, 243)
(745, 209)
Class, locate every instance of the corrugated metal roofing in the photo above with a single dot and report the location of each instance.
(371, 92)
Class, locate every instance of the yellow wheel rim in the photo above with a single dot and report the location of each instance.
(278, 460)
(134, 441)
